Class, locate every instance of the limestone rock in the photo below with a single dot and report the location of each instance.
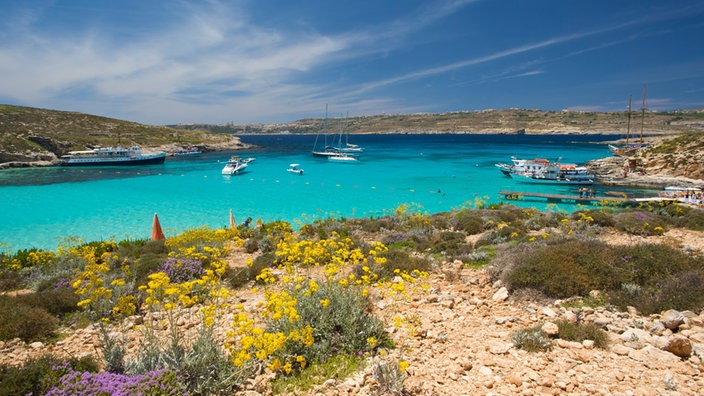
(671, 319)
(500, 295)
(550, 329)
(678, 345)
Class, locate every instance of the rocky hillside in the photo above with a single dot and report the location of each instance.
(30, 136)
(461, 340)
(487, 121)
(666, 161)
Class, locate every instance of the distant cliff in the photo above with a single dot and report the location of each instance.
(487, 121)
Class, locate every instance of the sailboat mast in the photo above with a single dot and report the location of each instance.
(642, 119)
(628, 129)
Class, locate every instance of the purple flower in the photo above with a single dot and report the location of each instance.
(182, 270)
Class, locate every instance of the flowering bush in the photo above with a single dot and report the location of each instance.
(182, 269)
(639, 223)
(155, 383)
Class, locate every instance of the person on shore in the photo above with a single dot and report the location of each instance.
(247, 222)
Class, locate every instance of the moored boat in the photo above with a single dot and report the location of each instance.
(110, 156)
(234, 166)
(344, 158)
(540, 170)
(294, 168)
(187, 152)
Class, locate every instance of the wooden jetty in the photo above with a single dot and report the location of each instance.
(586, 200)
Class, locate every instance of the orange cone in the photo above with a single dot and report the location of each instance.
(157, 233)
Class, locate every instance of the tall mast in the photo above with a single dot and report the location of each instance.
(642, 119)
(628, 130)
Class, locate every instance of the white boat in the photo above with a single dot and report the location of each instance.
(294, 168)
(234, 166)
(249, 160)
(332, 150)
(344, 158)
(187, 152)
(326, 150)
(540, 170)
(110, 156)
(347, 147)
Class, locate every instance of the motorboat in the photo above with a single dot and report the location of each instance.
(235, 165)
(110, 156)
(294, 168)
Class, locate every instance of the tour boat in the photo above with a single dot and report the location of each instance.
(110, 156)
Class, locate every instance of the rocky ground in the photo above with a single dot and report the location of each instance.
(457, 339)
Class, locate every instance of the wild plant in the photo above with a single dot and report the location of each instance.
(390, 377)
(531, 340)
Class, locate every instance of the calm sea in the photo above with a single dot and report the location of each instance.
(41, 206)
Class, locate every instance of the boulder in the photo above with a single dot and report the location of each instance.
(678, 345)
(671, 319)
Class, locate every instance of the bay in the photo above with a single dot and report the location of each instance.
(431, 172)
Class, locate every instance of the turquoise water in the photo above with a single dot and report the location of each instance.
(41, 206)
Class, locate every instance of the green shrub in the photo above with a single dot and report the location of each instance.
(639, 223)
(579, 332)
(401, 260)
(500, 235)
(389, 378)
(566, 269)
(251, 245)
(531, 340)
(694, 220)
(440, 221)
(238, 277)
(18, 320)
(451, 243)
(146, 265)
(56, 301)
(469, 221)
(682, 291)
(335, 367)
(344, 326)
(542, 220)
(206, 370)
(600, 217)
(11, 280)
(37, 376)
(645, 264)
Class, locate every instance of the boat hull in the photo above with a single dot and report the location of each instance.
(152, 160)
(538, 180)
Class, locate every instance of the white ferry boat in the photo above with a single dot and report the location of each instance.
(110, 156)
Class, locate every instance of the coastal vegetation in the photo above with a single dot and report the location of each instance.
(313, 294)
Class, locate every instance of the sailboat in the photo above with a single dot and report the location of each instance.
(631, 148)
(347, 147)
(326, 151)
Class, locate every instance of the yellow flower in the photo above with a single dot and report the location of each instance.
(325, 302)
(403, 365)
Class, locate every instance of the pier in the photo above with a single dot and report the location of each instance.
(586, 200)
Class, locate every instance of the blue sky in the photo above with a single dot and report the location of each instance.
(265, 61)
